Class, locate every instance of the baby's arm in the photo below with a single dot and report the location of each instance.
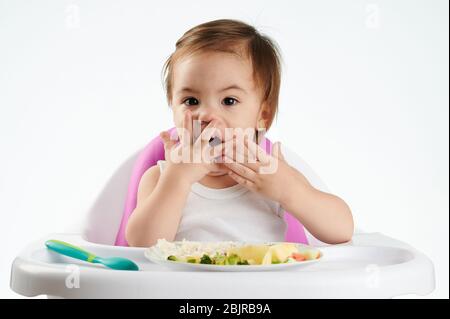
(161, 198)
(326, 216)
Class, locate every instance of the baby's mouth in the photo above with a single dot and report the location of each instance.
(214, 140)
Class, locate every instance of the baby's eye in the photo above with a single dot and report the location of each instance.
(229, 101)
(190, 101)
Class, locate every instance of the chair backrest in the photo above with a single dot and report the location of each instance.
(107, 219)
(102, 221)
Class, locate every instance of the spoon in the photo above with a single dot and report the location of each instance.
(67, 249)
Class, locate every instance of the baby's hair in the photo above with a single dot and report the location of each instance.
(239, 38)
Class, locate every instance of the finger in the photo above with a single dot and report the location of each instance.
(208, 132)
(227, 133)
(220, 128)
(186, 135)
(236, 145)
(276, 151)
(167, 141)
(213, 154)
(257, 151)
(165, 137)
(241, 180)
(189, 123)
(241, 170)
(241, 155)
(205, 150)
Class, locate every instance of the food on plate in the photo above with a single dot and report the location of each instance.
(234, 253)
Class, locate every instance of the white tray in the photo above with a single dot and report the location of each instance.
(371, 266)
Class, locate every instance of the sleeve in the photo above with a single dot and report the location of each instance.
(161, 164)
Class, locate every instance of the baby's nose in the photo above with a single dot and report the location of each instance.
(204, 121)
(204, 124)
(219, 124)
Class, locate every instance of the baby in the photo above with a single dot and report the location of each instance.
(217, 183)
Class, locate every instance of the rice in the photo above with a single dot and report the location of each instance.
(186, 248)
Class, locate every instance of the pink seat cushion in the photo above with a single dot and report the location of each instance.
(149, 156)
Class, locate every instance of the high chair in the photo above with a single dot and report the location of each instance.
(372, 265)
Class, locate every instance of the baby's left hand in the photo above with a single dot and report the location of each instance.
(269, 175)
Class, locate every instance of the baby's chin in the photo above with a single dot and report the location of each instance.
(217, 174)
(218, 170)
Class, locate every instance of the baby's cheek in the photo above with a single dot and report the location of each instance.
(178, 117)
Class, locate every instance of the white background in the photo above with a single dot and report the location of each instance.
(364, 101)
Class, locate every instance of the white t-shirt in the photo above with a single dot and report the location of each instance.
(230, 214)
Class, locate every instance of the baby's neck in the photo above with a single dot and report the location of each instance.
(218, 182)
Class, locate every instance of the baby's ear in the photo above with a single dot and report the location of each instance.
(265, 114)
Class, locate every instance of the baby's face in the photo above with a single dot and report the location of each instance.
(216, 85)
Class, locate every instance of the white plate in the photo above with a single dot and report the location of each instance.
(155, 256)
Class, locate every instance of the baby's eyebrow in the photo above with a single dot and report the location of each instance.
(186, 89)
(230, 87)
(234, 86)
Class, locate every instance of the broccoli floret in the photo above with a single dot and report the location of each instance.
(205, 259)
(244, 262)
(172, 258)
(232, 259)
(219, 259)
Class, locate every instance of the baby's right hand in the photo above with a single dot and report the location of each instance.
(191, 160)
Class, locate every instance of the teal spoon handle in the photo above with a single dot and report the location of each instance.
(71, 250)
